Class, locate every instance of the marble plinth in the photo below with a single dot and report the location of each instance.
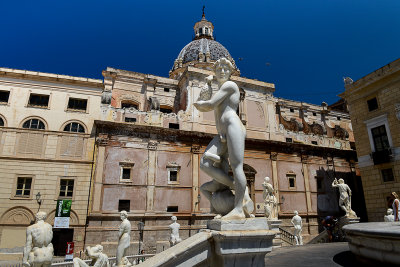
(273, 225)
(379, 241)
(238, 225)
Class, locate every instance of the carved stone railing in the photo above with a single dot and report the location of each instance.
(133, 259)
(287, 237)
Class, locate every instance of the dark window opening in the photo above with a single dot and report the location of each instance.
(206, 30)
(4, 95)
(124, 204)
(174, 126)
(173, 176)
(314, 114)
(33, 124)
(353, 145)
(166, 89)
(1, 122)
(201, 31)
(314, 142)
(130, 119)
(36, 100)
(372, 104)
(338, 118)
(172, 209)
(129, 105)
(74, 127)
(319, 183)
(166, 110)
(387, 175)
(292, 181)
(126, 173)
(291, 110)
(66, 187)
(77, 104)
(24, 185)
(289, 140)
(380, 138)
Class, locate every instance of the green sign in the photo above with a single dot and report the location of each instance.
(63, 207)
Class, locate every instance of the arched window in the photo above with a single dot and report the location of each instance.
(34, 124)
(1, 122)
(74, 127)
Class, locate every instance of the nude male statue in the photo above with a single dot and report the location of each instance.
(298, 225)
(345, 197)
(99, 259)
(124, 237)
(38, 250)
(227, 148)
(174, 226)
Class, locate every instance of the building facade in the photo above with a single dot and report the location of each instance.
(374, 104)
(150, 139)
(46, 152)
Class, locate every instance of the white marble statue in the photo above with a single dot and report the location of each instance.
(298, 225)
(345, 197)
(174, 237)
(99, 259)
(124, 238)
(270, 203)
(396, 206)
(227, 148)
(389, 217)
(38, 250)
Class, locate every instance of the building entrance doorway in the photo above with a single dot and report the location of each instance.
(60, 239)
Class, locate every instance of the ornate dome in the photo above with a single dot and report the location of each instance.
(203, 51)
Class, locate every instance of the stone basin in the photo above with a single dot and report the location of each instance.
(379, 241)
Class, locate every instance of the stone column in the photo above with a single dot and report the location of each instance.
(275, 179)
(195, 177)
(151, 174)
(97, 183)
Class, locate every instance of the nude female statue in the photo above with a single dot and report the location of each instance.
(124, 238)
(227, 148)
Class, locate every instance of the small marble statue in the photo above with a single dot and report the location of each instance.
(345, 197)
(270, 203)
(124, 237)
(206, 91)
(99, 259)
(38, 250)
(226, 149)
(396, 206)
(174, 226)
(389, 217)
(298, 225)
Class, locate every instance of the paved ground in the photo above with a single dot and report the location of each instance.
(325, 255)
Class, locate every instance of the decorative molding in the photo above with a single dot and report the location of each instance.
(152, 145)
(195, 149)
(18, 216)
(274, 156)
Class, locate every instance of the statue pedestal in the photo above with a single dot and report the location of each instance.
(240, 242)
(273, 224)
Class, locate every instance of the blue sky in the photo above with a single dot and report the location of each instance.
(308, 45)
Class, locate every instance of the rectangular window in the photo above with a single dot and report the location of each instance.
(77, 104)
(126, 173)
(24, 185)
(36, 100)
(166, 110)
(174, 126)
(289, 140)
(338, 118)
(66, 187)
(291, 180)
(387, 175)
(291, 110)
(166, 89)
(380, 138)
(127, 119)
(129, 105)
(314, 114)
(372, 104)
(314, 142)
(173, 176)
(172, 209)
(4, 95)
(124, 204)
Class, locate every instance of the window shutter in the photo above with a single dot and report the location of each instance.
(31, 143)
(71, 146)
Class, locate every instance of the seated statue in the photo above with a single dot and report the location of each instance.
(389, 217)
(99, 259)
(38, 250)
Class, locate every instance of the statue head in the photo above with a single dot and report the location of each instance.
(123, 214)
(341, 181)
(394, 194)
(99, 248)
(389, 212)
(41, 216)
(266, 180)
(223, 69)
(295, 212)
(173, 218)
